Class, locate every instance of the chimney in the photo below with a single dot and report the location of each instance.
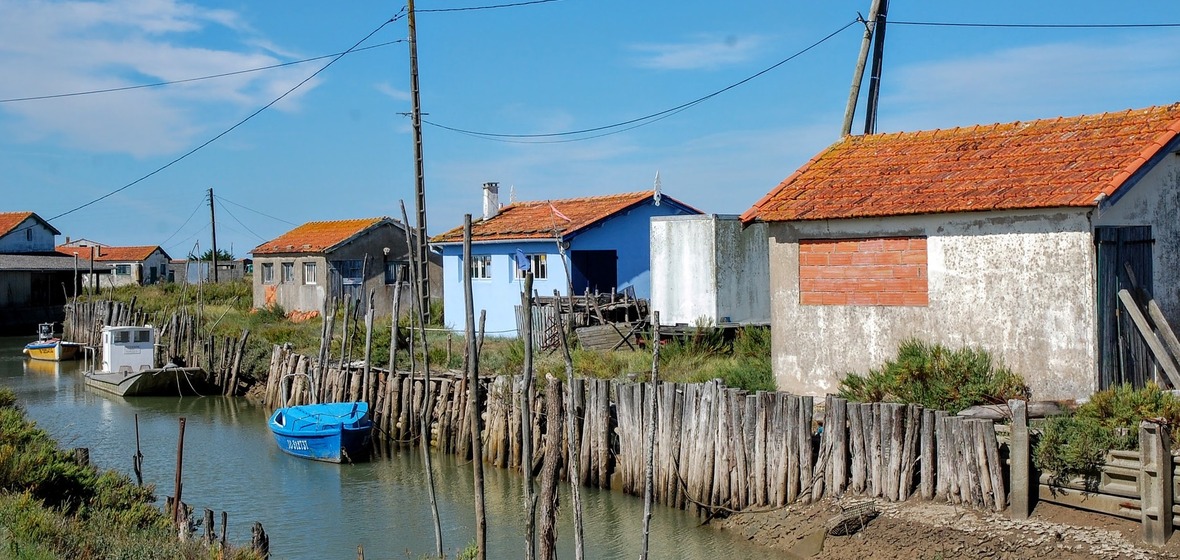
(491, 200)
(67, 240)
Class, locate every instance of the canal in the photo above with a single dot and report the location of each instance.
(314, 510)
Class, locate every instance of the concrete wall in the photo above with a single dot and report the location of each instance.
(1019, 284)
(708, 268)
(36, 239)
(1154, 200)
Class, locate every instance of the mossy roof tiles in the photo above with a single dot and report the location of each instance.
(1061, 162)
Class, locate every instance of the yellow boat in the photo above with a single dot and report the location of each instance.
(49, 347)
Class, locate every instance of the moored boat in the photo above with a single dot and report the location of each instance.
(129, 370)
(51, 348)
(332, 432)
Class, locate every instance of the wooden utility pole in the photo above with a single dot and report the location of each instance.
(527, 396)
(473, 406)
(651, 410)
(212, 226)
(859, 73)
(421, 247)
(875, 73)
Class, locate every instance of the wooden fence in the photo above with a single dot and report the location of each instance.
(178, 338)
(717, 448)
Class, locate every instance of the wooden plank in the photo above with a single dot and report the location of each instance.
(1153, 342)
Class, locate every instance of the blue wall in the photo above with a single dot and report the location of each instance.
(627, 233)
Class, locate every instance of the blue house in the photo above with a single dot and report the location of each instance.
(598, 243)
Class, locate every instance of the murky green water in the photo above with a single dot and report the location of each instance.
(317, 510)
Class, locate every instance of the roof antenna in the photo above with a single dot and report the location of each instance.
(512, 194)
(656, 195)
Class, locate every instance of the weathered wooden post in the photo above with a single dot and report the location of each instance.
(259, 541)
(178, 506)
(1155, 482)
(1020, 474)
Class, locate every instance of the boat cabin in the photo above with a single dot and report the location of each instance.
(128, 349)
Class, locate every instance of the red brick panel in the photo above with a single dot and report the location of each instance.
(875, 271)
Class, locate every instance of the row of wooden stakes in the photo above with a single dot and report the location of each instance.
(716, 448)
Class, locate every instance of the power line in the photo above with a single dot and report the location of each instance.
(639, 121)
(1037, 25)
(231, 214)
(473, 8)
(230, 129)
(222, 198)
(186, 220)
(186, 80)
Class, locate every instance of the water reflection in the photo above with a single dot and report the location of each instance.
(321, 510)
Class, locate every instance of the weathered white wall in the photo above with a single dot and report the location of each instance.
(709, 268)
(30, 236)
(1155, 200)
(1019, 284)
(683, 269)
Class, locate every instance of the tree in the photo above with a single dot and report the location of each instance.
(222, 256)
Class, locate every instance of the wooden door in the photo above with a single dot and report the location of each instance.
(1123, 356)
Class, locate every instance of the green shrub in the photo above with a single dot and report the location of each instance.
(1076, 444)
(936, 377)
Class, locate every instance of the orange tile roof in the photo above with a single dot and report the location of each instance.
(10, 220)
(111, 254)
(543, 219)
(1063, 162)
(316, 237)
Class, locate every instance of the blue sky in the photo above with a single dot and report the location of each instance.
(339, 146)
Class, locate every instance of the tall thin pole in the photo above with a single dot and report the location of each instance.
(212, 226)
(473, 406)
(858, 74)
(651, 409)
(875, 73)
(419, 171)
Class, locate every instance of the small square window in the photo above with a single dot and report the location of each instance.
(309, 273)
(122, 337)
(143, 336)
(481, 267)
(537, 264)
(394, 268)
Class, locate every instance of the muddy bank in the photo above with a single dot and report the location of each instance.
(928, 530)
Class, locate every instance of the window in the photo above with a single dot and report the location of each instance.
(143, 336)
(393, 268)
(481, 267)
(122, 270)
(288, 270)
(309, 273)
(536, 264)
(268, 273)
(122, 337)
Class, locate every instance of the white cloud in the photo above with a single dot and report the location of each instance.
(704, 52)
(66, 47)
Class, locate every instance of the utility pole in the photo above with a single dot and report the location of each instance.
(875, 73)
(420, 175)
(859, 73)
(213, 226)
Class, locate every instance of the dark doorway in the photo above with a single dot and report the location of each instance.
(596, 271)
(1123, 356)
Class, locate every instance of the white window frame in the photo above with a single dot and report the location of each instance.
(481, 267)
(287, 271)
(309, 272)
(268, 273)
(538, 263)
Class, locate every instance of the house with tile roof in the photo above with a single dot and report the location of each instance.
(135, 265)
(299, 269)
(595, 243)
(1013, 237)
(32, 275)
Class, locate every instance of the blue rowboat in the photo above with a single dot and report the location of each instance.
(332, 432)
